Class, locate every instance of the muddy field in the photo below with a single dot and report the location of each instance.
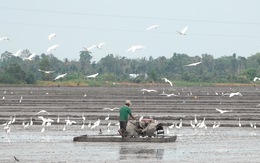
(225, 143)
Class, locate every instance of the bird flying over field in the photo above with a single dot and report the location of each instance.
(256, 78)
(92, 76)
(148, 90)
(30, 57)
(235, 94)
(111, 109)
(167, 81)
(60, 76)
(223, 111)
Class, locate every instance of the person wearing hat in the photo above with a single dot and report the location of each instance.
(124, 112)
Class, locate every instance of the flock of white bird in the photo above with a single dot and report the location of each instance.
(43, 115)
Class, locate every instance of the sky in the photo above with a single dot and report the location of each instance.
(215, 27)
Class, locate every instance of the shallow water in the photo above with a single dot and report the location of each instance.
(223, 144)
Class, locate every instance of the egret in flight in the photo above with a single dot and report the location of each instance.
(183, 31)
(152, 27)
(54, 47)
(60, 76)
(51, 36)
(134, 48)
(92, 76)
(193, 64)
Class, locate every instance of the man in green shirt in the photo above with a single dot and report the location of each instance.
(123, 117)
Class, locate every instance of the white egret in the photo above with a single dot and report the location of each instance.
(148, 90)
(52, 36)
(167, 81)
(53, 47)
(92, 76)
(83, 117)
(90, 48)
(171, 126)
(58, 119)
(152, 27)
(223, 111)
(31, 122)
(180, 125)
(193, 64)
(30, 57)
(18, 53)
(83, 125)
(46, 72)
(256, 78)
(89, 124)
(134, 48)
(235, 94)
(43, 111)
(111, 109)
(60, 76)
(192, 125)
(107, 118)
(100, 44)
(183, 31)
(239, 123)
(4, 38)
(216, 125)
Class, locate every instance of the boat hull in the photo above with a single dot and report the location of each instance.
(116, 138)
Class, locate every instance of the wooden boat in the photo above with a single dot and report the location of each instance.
(118, 138)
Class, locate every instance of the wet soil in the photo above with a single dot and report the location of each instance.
(228, 143)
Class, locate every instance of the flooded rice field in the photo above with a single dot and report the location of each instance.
(25, 139)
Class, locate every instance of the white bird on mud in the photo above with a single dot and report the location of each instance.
(43, 129)
(193, 64)
(60, 76)
(58, 119)
(223, 111)
(43, 111)
(83, 125)
(235, 94)
(203, 124)
(31, 122)
(180, 125)
(134, 48)
(152, 27)
(92, 76)
(83, 117)
(239, 123)
(115, 108)
(89, 124)
(107, 118)
(183, 31)
(192, 125)
(46, 72)
(167, 81)
(195, 119)
(53, 47)
(95, 124)
(171, 126)
(51, 36)
(216, 125)
(172, 94)
(148, 90)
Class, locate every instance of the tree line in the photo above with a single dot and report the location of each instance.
(233, 68)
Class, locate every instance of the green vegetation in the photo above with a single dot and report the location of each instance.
(226, 69)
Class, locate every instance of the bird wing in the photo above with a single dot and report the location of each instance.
(183, 31)
(219, 110)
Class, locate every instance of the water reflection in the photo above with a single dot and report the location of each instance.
(132, 152)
